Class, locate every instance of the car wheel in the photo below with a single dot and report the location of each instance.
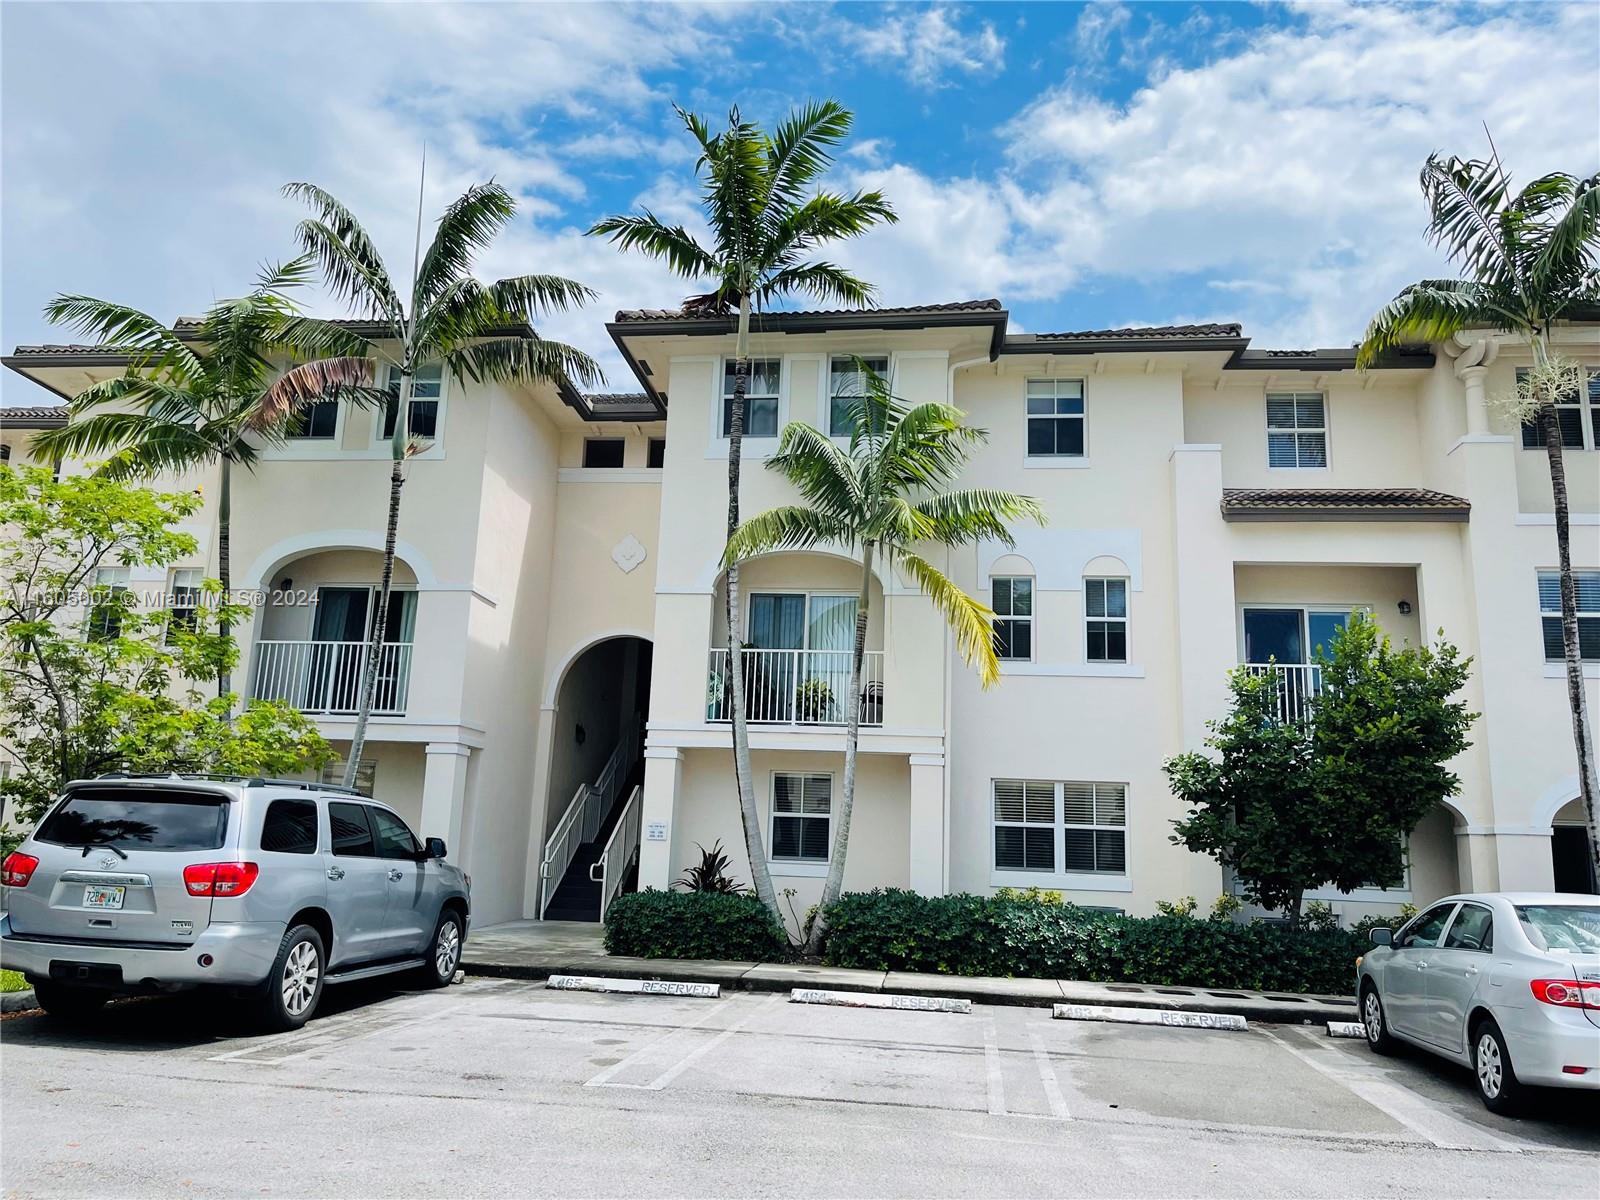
(444, 950)
(292, 989)
(69, 1003)
(1497, 1078)
(1376, 1022)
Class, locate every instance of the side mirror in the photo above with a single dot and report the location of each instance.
(433, 848)
(1382, 935)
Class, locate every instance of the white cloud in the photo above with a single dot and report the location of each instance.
(929, 43)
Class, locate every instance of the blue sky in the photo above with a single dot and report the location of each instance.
(1091, 165)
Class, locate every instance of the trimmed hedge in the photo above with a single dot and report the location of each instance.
(652, 924)
(896, 930)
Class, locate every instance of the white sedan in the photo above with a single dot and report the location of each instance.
(1507, 983)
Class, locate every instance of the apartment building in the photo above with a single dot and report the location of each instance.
(554, 698)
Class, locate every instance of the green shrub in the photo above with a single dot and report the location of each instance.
(895, 930)
(723, 925)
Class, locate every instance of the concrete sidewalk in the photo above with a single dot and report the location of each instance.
(538, 949)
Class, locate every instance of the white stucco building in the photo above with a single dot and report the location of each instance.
(557, 638)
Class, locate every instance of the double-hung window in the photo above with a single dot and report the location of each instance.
(1297, 429)
(1012, 600)
(1105, 606)
(1060, 828)
(760, 398)
(316, 422)
(427, 387)
(1588, 588)
(1055, 418)
(183, 600)
(1577, 416)
(802, 806)
(109, 603)
(847, 385)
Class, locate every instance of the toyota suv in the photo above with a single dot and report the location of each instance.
(269, 889)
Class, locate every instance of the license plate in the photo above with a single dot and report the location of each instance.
(103, 897)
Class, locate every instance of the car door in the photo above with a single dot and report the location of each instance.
(358, 884)
(411, 910)
(1454, 971)
(1405, 975)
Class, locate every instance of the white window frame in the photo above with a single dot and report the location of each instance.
(805, 621)
(1325, 429)
(174, 582)
(1587, 407)
(1061, 879)
(825, 417)
(435, 444)
(764, 444)
(1124, 621)
(802, 868)
(1030, 620)
(1305, 610)
(1554, 613)
(1049, 461)
(335, 440)
(118, 579)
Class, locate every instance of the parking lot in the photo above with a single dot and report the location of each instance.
(498, 1087)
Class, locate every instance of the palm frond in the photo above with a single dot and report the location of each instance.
(822, 472)
(1572, 243)
(528, 297)
(1430, 311)
(654, 238)
(824, 281)
(524, 360)
(793, 527)
(800, 148)
(978, 514)
(1465, 199)
(312, 336)
(134, 446)
(319, 379)
(469, 224)
(969, 618)
(150, 343)
(350, 261)
(828, 215)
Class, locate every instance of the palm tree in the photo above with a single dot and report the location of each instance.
(186, 399)
(483, 331)
(1532, 258)
(883, 497)
(763, 225)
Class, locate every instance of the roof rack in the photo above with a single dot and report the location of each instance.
(305, 785)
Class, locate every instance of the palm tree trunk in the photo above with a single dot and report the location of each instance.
(1582, 739)
(225, 567)
(834, 884)
(750, 818)
(380, 619)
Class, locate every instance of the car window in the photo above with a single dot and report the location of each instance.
(352, 835)
(138, 819)
(1562, 928)
(1473, 929)
(290, 827)
(1425, 930)
(394, 839)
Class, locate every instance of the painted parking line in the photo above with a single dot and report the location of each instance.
(684, 1063)
(1423, 1117)
(991, 1069)
(1047, 1075)
(329, 1033)
(608, 1077)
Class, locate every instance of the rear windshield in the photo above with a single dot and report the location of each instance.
(1568, 928)
(153, 819)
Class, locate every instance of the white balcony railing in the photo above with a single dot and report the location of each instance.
(1298, 685)
(325, 677)
(795, 687)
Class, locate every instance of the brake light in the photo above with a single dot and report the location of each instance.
(1566, 993)
(17, 869)
(220, 879)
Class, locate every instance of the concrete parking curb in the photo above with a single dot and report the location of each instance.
(18, 1001)
(1264, 1007)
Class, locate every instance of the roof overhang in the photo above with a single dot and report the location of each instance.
(1349, 504)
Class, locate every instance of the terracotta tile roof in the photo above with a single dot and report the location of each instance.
(52, 350)
(1342, 504)
(35, 416)
(621, 405)
(1163, 332)
(679, 314)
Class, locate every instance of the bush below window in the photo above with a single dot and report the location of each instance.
(894, 930)
(654, 924)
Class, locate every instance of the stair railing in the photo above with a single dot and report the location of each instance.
(562, 845)
(621, 852)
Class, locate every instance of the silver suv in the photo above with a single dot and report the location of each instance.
(270, 888)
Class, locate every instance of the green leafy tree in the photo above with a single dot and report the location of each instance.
(766, 216)
(1532, 258)
(1290, 806)
(887, 497)
(480, 331)
(187, 400)
(114, 687)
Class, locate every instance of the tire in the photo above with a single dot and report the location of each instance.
(289, 995)
(1491, 1067)
(444, 950)
(1376, 1022)
(68, 1003)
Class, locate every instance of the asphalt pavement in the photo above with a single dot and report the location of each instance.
(501, 1087)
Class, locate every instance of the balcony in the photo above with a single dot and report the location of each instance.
(324, 678)
(1298, 685)
(795, 687)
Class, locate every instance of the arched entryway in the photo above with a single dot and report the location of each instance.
(596, 763)
(1571, 859)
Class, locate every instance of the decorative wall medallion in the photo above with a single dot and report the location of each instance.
(628, 553)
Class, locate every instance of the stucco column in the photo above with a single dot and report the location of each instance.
(1477, 409)
(444, 793)
(539, 819)
(663, 775)
(1207, 642)
(926, 871)
(1472, 358)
